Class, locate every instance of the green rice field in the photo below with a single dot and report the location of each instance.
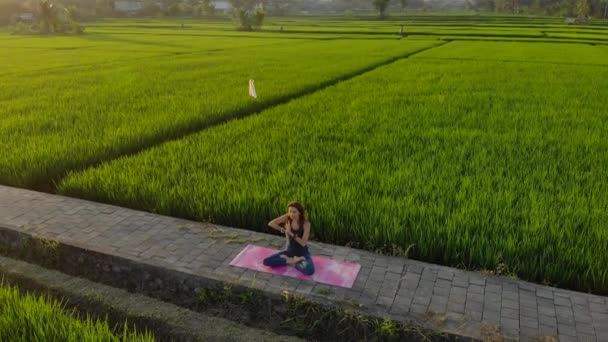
(25, 317)
(481, 142)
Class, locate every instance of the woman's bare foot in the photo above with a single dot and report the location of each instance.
(288, 260)
(293, 261)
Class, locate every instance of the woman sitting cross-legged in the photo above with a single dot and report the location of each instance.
(297, 230)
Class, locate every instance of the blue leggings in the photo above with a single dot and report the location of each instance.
(306, 266)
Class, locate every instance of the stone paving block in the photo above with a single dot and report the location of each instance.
(476, 289)
(445, 275)
(410, 281)
(384, 301)
(422, 300)
(509, 313)
(473, 306)
(548, 330)
(456, 307)
(474, 316)
(404, 292)
(381, 261)
(598, 308)
(567, 338)
(583, 318)
(367, 298)
(396, 268)
(562, 301)
(582, 328)
(596, 299)
(529, 322)
(510, 304)
(441, 291)
(418, 309)
(563, 329)
(493, 289)
(373, 281)
(528, 312)
(527, 294)
(544, 293)
(510, 295)
(565, 320)
(443, 283)
(510, 326)
(378, 272)
(403, 302)
(586, 338)
(492, 297)
(474, 297)
(389, 293)
(547, 320)
(392, 277)
(460, 281)
(547, 311)
(438, 305)
(602, 336)
(400, 309)
(426, 284)
(415, 268)
(528, 334)
(491, 317)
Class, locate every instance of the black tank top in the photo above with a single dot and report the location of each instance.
(294, 246)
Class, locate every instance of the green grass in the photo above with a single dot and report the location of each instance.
(66, 118)
(476, 162)
(25, 317)
(542, 53)
(23, 55)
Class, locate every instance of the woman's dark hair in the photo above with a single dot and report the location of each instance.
(303, 213)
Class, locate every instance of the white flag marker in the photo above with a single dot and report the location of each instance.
(252, 92)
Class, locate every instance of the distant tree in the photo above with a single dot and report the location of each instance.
(381, 6)
(536, 7)
(47, 16)
(207, 8)
(174, 9)
(403, 4)
(582, 8)
(73, 16)
(258, 17)
(248, 14)
(567, 8)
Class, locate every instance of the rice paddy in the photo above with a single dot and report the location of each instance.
(26, 317)
(479, 153)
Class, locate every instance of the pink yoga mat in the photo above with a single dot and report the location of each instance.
(327, 271)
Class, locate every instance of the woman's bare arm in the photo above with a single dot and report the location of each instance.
(277, 222)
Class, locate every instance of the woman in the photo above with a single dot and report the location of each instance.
(297, 230)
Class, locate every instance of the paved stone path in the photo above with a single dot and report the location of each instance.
(462, 302)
